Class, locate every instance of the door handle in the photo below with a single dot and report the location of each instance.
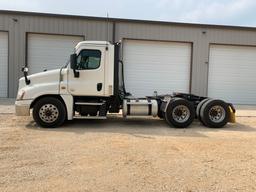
(99, 86)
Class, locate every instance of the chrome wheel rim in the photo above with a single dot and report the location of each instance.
(217, 114)
(181, 113)
(48, 113)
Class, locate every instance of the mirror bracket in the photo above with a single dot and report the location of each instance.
(25, 72)
(76, 73)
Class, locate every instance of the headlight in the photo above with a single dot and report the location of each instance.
(20, 95)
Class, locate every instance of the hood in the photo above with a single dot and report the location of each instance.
(42, 77)
(44, 83)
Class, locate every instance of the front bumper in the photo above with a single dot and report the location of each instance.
(22, 107)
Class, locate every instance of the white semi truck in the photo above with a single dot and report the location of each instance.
(91, 86)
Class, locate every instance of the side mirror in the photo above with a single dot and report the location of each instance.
(24, 69)
(25, 72)
(73, 64)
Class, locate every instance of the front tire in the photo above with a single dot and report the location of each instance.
(180, 113)
(49, 112)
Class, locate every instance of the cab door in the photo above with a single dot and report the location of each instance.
(91, 67)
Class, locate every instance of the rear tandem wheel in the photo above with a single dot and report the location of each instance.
(180, 113)
(215, 113)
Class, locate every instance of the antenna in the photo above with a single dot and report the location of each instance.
(107, 33)
(107, 27)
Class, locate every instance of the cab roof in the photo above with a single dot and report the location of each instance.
(82, 43)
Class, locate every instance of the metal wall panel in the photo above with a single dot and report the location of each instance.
(3, 64)
(18, 25)
(201, 36)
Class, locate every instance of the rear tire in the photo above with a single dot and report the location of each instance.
(180, 113)
(214, 113)
(49, 112)
(198, 109)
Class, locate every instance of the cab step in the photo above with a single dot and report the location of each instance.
(87, 103)
(89, 117)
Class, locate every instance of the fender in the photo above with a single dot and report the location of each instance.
(68, 100)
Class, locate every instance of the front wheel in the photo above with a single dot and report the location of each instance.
(180, 113)
(49, 112)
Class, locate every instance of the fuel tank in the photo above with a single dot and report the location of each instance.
(140, 107)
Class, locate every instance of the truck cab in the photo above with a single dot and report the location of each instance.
(91, 85)
(92, 74)
(89, 80)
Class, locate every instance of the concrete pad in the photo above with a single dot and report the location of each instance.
(122, 155)
(246, 110)
(7, 105)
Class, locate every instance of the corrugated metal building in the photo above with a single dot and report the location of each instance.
(218, 61)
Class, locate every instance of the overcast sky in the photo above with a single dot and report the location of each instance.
(229, 12)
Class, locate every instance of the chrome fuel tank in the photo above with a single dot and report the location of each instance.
(140, 107)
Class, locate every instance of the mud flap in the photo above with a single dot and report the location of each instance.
(232, 117)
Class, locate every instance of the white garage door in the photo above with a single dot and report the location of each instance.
(232, 74)
(156, 66)
(3, 64)
(49, 51)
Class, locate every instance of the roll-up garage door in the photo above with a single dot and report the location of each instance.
(49, 51)
(3, 64)
(232, 73)
(156, 66)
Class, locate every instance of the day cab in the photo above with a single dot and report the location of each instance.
(91, 85)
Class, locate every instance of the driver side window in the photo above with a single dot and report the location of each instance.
(88, 59)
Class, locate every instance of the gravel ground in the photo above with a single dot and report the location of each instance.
(126, 155)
